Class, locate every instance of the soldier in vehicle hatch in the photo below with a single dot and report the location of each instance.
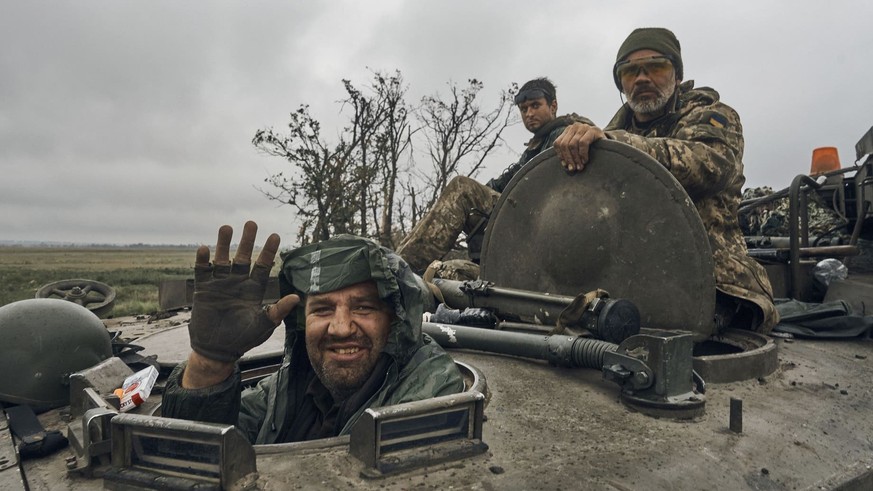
(352, 312)
(465, 204)
(700, 141)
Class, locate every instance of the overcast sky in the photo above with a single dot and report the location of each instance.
(126, 122)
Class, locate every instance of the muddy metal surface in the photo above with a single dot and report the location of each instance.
(809, 425)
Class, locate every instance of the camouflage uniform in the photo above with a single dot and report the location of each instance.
(771, 219)
(701, 143)
(464, 202)
(752, 222)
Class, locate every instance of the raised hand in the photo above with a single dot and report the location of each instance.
(227, 318)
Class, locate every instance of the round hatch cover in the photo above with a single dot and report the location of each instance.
(624, 224)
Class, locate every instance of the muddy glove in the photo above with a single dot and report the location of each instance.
(227, 318)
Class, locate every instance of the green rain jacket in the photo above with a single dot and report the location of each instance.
(418, 368)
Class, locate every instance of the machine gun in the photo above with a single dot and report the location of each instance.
(612, 320)
(654, 370)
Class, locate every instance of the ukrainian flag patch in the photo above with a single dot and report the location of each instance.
(717, 120)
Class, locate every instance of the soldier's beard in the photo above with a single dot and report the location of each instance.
(651, 106)
(344, 379)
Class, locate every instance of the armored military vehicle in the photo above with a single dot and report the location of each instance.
(648, 398)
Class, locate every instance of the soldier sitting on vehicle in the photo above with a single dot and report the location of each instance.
(352, 312)
(699, 140)
(465, 204)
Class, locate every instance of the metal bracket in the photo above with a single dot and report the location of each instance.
(102, 378)
(150, 452)
(630, 373)
(90, 436)
(656, 375)
(476, 288)
(402, 437)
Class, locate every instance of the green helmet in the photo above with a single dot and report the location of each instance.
(43, 342)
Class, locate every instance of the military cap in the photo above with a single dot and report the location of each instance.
(656, 38)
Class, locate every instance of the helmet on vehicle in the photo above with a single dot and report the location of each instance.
(43, 342)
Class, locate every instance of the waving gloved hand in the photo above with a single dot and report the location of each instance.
(227, 318)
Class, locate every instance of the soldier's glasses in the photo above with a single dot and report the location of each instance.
(656, 66)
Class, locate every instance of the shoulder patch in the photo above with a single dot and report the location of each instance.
(716, 119)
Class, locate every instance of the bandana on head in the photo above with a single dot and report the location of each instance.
(341, 261)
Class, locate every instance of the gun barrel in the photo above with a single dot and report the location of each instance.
(560, 350)
(529, 306)
(613, 320)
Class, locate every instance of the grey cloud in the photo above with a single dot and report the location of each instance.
(131, 121)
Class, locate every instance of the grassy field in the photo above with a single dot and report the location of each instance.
(135, 273)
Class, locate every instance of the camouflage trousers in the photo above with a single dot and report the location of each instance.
(460, 208)
(744, 296)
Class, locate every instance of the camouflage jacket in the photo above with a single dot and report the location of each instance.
(701, 143)
(418, 367)
(543, 139)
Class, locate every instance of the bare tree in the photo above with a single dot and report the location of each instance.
(316, 182)
(460, 134)
(368, 114)
(393, 142)
(352, 186)
(337, 189)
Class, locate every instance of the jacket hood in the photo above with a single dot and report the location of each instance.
(345, 260)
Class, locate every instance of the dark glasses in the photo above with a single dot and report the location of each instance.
(530, 95)
(656, 66)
